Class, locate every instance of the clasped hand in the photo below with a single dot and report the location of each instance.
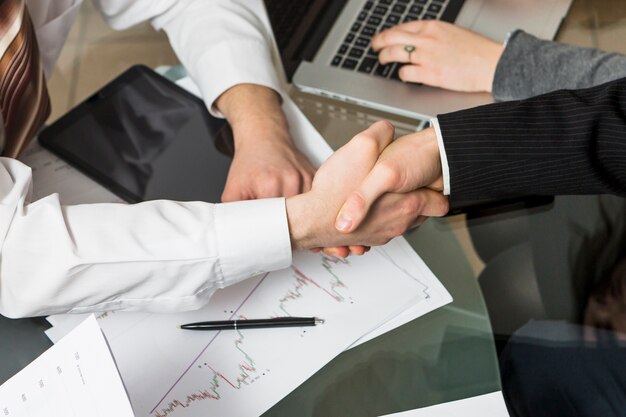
(380, 188)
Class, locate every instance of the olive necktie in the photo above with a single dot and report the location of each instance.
(24, 101)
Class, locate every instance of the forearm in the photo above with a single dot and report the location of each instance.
(155, 256)
(530, 66)
(252, 111)
(565, 142)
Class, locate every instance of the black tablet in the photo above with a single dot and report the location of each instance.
(145, 138)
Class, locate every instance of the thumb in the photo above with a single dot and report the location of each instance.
(354, 210)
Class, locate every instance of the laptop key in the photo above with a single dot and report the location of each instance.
(361, 17)
(336, 60)
(362, 42)
(349, 64)
(429, 16)
(368, 31)
(403, 1)
(386, 2)
(434, 8)
(421, 1)
(372, 53)
(385, 27)
(368, 5)
(367, 65)
(415, 9)
(356, 53)
(399, 8)
(410, 18)
(395, 73)
(394, 19)
(374, 21)
(343, 49)
(349, 38)
(383, 70)
(380, 10)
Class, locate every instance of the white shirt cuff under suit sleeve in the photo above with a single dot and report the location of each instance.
(445, 169)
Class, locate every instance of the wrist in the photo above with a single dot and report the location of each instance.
(494, 53)
(254, 111)
(298, 220)
(245, 101)
(430, 147)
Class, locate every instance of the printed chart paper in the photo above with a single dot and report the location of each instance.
(173, 372)
(75, 378)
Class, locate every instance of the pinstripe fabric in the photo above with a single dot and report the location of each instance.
(24, 100)
(565, 142)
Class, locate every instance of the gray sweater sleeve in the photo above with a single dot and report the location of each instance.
(530, 66)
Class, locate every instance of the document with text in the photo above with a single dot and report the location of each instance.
(77, 377)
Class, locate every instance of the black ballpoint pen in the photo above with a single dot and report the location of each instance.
(253, 323)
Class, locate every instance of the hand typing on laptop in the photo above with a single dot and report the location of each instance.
(444, 55)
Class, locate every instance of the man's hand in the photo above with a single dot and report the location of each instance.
(266, 163)
(312, 215)
(408, 164)
(445, 55)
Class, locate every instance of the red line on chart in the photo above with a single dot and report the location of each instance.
(248, 366)
(208, 344)
(212, 392)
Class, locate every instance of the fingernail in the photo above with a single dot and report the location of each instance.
(343, 223)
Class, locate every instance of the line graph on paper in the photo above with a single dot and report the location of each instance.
(169, 372)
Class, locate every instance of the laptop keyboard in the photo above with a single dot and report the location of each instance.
(355, 53)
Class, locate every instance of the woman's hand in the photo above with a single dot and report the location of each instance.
(445, 55)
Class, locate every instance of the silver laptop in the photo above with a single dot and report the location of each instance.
(326, 49)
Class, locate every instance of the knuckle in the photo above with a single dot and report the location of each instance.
(398, 229)
(357, 201)
(409, 207)
(444, 207)
(292, 178)
(389, 173)
(367, 142)
(430, 25)
(268, 184)
(387, 125)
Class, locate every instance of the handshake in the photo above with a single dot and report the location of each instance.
(368, 192)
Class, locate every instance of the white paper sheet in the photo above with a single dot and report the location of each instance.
(488, 405)
(75, 378)
(171, 372)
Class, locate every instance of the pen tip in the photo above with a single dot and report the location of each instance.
(319, 321)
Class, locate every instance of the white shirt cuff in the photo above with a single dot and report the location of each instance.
(232, 61)
(252, 238)
(445, 169)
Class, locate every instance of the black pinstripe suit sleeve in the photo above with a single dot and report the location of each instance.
(564, 142)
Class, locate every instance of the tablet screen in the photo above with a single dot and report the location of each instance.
(145, 138)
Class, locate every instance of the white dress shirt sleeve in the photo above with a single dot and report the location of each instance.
(221, 43)
(445, 169)
(160, 256)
